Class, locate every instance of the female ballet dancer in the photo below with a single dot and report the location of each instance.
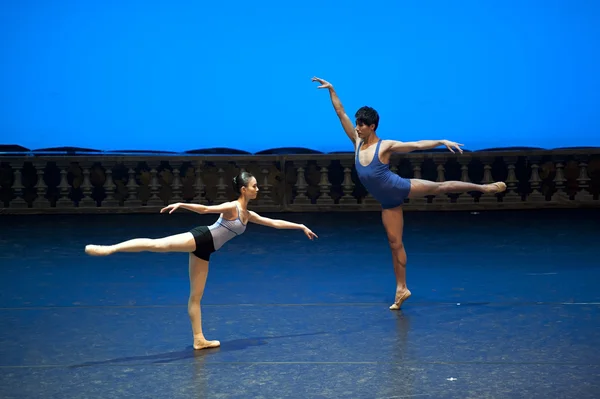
(200, 242)
(389, 189)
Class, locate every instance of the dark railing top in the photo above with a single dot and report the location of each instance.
(13, 150)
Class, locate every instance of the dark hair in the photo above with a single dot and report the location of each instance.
(240, 181)
(367, 116)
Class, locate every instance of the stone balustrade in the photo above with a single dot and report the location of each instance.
(300, 182)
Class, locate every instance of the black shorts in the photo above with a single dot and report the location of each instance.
(204, 242)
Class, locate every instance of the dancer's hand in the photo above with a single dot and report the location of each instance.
(324, 84)
(309, 233)
(171, 208)
(451, 145)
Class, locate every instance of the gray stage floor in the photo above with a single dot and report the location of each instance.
(504, 305)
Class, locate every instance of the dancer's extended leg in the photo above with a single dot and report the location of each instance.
(198, 275)
(183, 242)
(393, 221)
(420, 188)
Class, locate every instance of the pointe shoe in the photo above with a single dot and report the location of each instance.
(398, 304)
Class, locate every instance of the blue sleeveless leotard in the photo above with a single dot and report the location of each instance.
(389, 189)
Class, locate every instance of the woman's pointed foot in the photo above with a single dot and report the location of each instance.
(497, 187)
(98, 250)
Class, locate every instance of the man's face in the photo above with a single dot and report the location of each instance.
(363, 131)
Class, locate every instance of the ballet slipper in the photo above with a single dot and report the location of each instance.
(97, 250)
(398, 303)
(204, 344)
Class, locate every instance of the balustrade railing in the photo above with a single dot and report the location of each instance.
(328, 182)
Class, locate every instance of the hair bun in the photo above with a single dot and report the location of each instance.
(240, 181)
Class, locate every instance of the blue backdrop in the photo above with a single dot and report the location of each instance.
(178, 75)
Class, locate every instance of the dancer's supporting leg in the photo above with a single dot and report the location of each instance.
(198, 275)
(183, 242)
(393, 221)
(420, 188)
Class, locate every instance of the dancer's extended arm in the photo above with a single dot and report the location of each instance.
(409, 146)
(198, 208)
(339, 109)
(280, 224)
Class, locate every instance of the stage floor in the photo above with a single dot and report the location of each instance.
(504, 305)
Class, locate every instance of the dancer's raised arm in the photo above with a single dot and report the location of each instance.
(339, 109)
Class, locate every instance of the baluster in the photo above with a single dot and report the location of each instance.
(64, 201)
(199, 185)
(109, 186)
(221, 187)
(441, 173)
(511, 182)
(132, 186)
(40, 200)
(583, 193)
(18, 202)
(301, 187)
(176, 185)
(87, 201)
(560, 195)
(154, 199)
(347, 184)
(265, 197)
(535, 181)
(324, 185)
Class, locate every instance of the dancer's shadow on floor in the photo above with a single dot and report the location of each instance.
(189, 352)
